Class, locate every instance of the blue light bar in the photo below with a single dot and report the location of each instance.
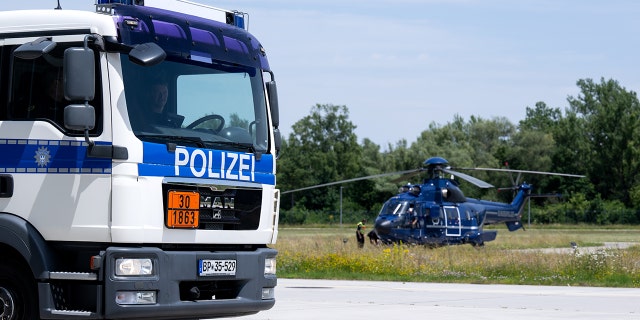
(238, 19)
(127, 2)
(234, 18)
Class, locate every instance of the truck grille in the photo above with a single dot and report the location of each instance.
(223, 207)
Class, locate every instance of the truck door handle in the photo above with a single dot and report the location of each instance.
(6, 186)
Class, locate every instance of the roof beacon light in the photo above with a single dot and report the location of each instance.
(127, 2)
(235, 18)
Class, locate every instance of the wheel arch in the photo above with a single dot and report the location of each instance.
(19, 237)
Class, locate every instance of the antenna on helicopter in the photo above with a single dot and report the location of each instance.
(58, 7)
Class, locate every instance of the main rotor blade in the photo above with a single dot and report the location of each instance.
(526, 171)
(350, 180)
(479, 183)
(408, 174)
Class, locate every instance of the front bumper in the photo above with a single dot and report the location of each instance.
(181, 292)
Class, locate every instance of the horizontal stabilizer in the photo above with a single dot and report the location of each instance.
(514, 225)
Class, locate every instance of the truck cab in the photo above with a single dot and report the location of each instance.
(137, 177)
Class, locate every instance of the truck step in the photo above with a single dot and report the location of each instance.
(74, 313)
(86, 276)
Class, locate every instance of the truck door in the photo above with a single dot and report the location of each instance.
(56, 187)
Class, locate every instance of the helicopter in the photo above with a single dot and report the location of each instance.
(436, 212)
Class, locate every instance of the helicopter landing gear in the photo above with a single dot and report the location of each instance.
(478, 245)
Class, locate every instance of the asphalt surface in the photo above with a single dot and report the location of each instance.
(331, 299)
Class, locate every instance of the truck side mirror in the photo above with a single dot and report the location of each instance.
(79, 74)
(272, 91)
(79, 117)
(277, 141)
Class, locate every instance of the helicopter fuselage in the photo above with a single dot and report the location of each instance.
(437, 213)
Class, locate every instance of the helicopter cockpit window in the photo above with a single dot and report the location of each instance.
(394, 207)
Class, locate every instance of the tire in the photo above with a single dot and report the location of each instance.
(18, 292)
(479, 244)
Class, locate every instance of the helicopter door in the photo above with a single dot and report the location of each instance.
(452, 221)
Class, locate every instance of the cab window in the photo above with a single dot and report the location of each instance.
(36, 90)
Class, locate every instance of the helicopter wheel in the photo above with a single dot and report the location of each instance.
(478, 244)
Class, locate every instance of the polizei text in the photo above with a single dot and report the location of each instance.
(219, 165)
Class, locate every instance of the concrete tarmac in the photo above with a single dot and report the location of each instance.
(333, 300)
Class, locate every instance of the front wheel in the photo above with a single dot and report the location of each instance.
(18, 296)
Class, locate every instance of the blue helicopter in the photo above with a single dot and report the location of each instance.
(436, 212)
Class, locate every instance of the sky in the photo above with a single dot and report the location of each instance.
(401, 65)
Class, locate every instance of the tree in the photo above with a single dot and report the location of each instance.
(323, 148)
(370, 194)
(611, 118)
(533, 150)
(598, 135)
(541, 118)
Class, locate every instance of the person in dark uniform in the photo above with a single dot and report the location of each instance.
(373, 237)
(360, 233)
(151, 111)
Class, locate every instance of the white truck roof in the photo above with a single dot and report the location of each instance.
(21, 23)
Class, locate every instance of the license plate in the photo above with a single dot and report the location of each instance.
(183, 209)
(217, 267)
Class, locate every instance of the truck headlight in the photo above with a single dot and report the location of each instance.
(268, 293)
(134, 267)
(270, 266)
(136, 297)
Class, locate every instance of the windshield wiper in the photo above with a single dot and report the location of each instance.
(171, 145)
(239, 145)
(162, 138)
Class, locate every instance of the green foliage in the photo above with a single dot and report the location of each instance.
(634, 195)
(301, 216)
(611, 128)
(596, 135)
(236, 121)
(322, 148)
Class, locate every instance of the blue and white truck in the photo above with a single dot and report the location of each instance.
(138, 148)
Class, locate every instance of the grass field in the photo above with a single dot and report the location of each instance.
(331, 253)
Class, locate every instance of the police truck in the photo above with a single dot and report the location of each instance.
(138, 148)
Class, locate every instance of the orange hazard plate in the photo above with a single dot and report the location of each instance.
(183, 209)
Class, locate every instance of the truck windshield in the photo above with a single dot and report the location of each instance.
(197, 104)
